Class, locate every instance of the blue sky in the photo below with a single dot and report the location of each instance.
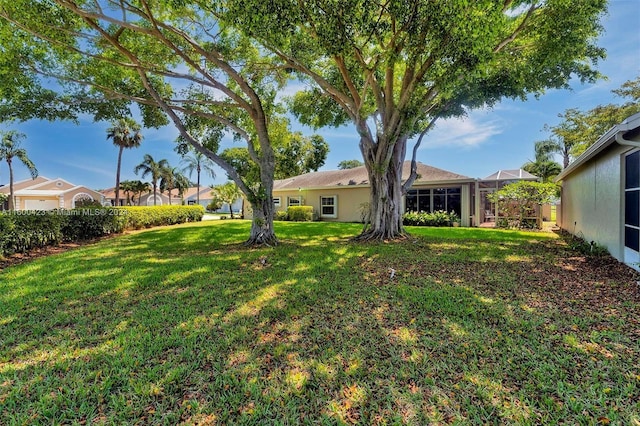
(477, 146)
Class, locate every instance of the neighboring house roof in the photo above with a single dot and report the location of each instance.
(617, 134)
(205, 193)
(26, 183)
(358, 176)
(31, 187)
(511, 174)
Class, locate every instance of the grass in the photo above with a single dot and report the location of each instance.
(184, 325)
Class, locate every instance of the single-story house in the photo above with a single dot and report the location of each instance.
(487, 211)
(601, 193)
(146, 199)
(43, 193)
(342, 195)
(190, 197)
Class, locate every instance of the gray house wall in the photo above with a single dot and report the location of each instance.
(592, 201)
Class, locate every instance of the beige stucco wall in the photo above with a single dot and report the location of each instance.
(591, 201)
(69, 196)
(55, 185)
(350, 201)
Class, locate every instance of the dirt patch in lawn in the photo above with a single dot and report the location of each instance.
(18, 258)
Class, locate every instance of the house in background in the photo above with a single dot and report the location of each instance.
(487, 211)
(601, 192)
(341, 195)
(43, 193)
(145, 199)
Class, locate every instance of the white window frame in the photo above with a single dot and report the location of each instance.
(276, 201)
(334, 205)
(298, 202)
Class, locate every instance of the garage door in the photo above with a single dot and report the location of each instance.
(41, 204)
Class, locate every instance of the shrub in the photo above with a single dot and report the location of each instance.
(300, 213)
(85, 224)
(30, 229)
(145, 217)
(438, 218)
(22, 231)
(281, 215)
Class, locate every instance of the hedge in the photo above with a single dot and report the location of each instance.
(437, 218)
(146, 217)
(21, 231)
(300, 213)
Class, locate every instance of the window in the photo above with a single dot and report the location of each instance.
(632, 201)
(276, 201)
(294, 201)
(329, 206)
(431, 200)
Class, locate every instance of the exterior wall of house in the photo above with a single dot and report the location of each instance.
(55, 184)
(592, 201)
(71, 196)
(349, 201)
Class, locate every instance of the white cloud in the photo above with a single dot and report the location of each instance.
(461, 132)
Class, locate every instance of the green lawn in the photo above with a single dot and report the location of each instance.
(185, 325)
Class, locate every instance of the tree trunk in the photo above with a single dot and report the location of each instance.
(384, 166)
(12, 200)
(117, 201)
(198, 193)
(155, 191)
(262, 232)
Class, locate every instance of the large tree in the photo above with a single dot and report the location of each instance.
(125, 134)
(578, 129)
(173, 58)
(394, 67)
(10, 149)
(154, 169)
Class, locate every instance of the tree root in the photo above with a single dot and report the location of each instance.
(262, 239)
(379, 236)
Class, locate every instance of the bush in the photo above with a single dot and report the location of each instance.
(25, 230)
(438, 218)
(86, 224)
(300, 213)
(30, 229)
(138, 217)
(281, 215)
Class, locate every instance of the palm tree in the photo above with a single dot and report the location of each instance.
(10, 149)
(138, 188)
(198, 162)
(150, 167)
(125, 133)
(543, 166)
(181, 183)
(168, 180)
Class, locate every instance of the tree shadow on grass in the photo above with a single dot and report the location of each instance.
(177, 326)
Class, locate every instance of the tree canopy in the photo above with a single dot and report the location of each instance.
(173, 60)
(393, 68)
(578, 129)
(349, 164)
